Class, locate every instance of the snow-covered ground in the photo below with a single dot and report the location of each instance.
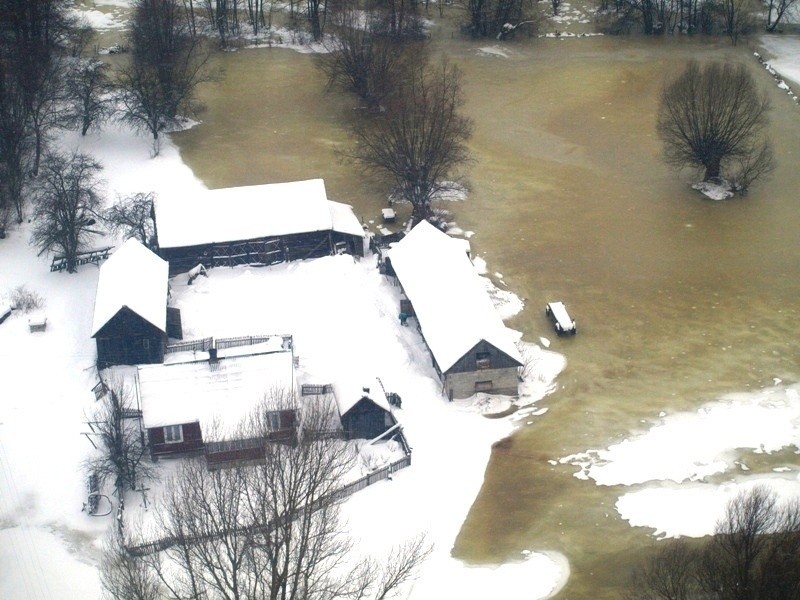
(785, 50)
(343, 315)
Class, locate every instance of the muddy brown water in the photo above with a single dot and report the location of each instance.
(678, 299)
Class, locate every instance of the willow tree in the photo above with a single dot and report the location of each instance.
(420, 141)
(714, 117)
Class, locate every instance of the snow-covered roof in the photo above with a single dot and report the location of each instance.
(219, 394)
(561, 315)
(251, 212)
(135, 277)
(452, 306)
(348, 393)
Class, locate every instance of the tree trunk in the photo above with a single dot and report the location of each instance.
(712, 169)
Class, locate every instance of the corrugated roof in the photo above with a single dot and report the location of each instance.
(135, 277)
(251, 212)
(452, 307)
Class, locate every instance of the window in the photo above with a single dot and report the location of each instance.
(173, 434)
(483, 360)
(146, 344)
(483, 386)
(274, 420)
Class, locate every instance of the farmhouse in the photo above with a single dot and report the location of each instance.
(197, 404)
(365, 412)
(130, 309)
(260, 224)
(471, 348)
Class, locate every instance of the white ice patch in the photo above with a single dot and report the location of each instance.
(715, 191)
(693, 510)
(100, 20)
(689, 446)
(493, 51)
(506, 302)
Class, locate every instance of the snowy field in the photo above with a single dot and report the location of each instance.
(343, 315)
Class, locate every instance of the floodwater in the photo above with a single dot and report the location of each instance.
(678, 299)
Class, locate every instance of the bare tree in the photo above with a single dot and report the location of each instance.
(16, 143)
(122, 455)
(776, 9)
(753, 555)
(132, 217)
(712, 115)
(88, 91)
(365, 61)
(420, 142)
(272, 529)
(317, 15)
(398, 19)
(126, 577)
(490, 18)
(44, 91)
(168, 63)
(67, 204)
(668, 574)
(739, 17)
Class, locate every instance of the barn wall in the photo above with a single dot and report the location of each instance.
(465, 384)
(192, 441)
(128, 339)
(261, 251)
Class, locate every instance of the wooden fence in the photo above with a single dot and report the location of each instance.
(345, 491)
(311, 389)
(81, 258)
(248, 340)
(204, 344)
(201, 345)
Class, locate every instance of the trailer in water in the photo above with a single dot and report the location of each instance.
(562, 322)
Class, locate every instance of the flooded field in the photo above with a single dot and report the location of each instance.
(677, 299)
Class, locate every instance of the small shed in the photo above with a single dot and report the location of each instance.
(198, 404)
(365, 412)
(257, 224)
(471, 348)
(130, 308)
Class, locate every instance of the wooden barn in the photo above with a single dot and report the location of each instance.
(365, 412)
(257, 225)
(196, 404)
(130, 309)
(471, 348)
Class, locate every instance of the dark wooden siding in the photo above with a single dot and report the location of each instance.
(128, 339)
(366, 420)
(174, 324)
(261, 251)
(493, 359)
(192, 441)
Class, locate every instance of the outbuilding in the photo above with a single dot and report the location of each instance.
(130, 309)
(471, 348)
(258, 224)
(364, 411)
